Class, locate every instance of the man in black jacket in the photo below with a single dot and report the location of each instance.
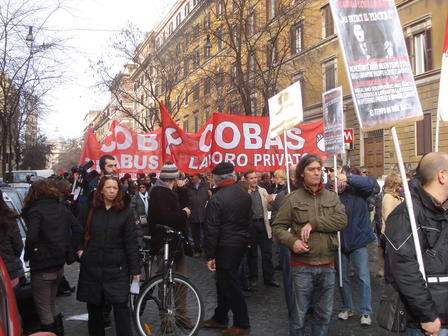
(198, 195)
(226, 238)
(426, 301)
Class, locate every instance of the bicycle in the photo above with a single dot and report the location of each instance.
(169, 303)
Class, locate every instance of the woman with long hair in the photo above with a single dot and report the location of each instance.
(392, 196)
(11, 244)
(53, 233)
(109, 258)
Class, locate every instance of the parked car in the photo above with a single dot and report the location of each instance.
(14, 200)
(9, 314)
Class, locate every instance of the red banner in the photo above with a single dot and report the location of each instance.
(242, 140)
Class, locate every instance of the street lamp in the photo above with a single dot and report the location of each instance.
(30, 42)
(30, 38)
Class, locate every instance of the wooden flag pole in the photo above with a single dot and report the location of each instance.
(409, 205)
(339, 232)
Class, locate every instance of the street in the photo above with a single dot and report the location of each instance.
(267, 309)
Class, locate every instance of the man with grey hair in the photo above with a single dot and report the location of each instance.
(426, 300)
(226, 238)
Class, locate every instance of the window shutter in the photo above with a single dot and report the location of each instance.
(268, 9)
(293, 39)
(302, 42)
(428, 50)
(410, 48)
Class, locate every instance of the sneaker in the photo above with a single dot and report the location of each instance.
(366, 320)
(345, 315)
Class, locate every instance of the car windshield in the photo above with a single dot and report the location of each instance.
(20, 222)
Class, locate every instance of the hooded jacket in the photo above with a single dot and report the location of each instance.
(358, 232)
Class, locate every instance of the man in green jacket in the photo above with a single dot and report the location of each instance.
(307, 223)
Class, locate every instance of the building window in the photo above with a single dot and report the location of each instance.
(220, 105)
(327, 22)
(233, 72)
(253, 105)
(207, 112)
(219, 38)
(271, 9)
(196, 121)
(171, 28)
(187, 9)
(207, 21)
(207, 50)
(271, 52)
(196, 58)
(419, 45)
(219, 8)
(251, 63)
(187, 94)
(424, 134)
(235, 107)
(185, 123)
(186, 66)
(178, 19)
(207, 86)
(195, 2)
(251, 23)
(219, 78)
(296, 38)
(329, 74)
(196, 30)
(196, 89)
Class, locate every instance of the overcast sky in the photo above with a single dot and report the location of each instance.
(81, 23)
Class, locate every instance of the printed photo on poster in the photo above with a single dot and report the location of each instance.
(333, 121)
(377, 61)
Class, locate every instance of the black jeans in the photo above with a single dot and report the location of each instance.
(196, 233)
(259, 237)
(230, 297)
(122, 316)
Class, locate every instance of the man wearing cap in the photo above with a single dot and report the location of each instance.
(227, 220)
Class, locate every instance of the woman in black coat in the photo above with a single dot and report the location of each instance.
(53, 234)
(11, 244)
(109, 258)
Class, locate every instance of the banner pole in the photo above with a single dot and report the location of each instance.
(335, 165)
(286, 160)
(409, 205)
(436, 145)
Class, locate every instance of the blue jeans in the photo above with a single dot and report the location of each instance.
(360, 260)
(418, 332)
(312, 285)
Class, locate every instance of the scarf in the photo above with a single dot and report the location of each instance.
(144, 198)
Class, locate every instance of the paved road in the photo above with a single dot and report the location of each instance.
(267, 308)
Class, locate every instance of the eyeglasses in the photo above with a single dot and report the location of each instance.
(330, 170)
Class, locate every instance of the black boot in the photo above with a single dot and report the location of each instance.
(59, 330)
(49, 327)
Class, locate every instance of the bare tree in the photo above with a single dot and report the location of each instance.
(27, 70)
(255, 46)
(69, 158)
(154, 75)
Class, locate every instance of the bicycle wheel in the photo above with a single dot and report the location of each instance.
(174, 309)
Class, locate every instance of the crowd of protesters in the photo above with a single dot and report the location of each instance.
(229, 219)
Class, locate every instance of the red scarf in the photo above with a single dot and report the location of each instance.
(226, 182)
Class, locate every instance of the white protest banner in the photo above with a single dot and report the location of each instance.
(443, 90)
(285, 110)
(333, 121)
(377, 62)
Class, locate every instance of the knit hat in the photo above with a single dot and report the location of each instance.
(223, 168)
(169, 171)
